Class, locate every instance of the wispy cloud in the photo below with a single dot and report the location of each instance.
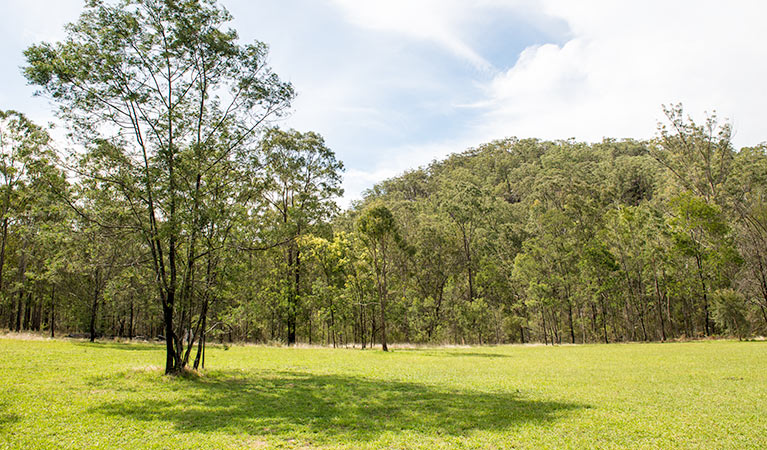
(438, 21)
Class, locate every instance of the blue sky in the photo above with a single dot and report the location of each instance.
(393, 84)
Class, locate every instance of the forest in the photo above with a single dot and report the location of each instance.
(180, 211)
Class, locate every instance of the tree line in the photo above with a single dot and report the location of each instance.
(182, 212)
(522, 240)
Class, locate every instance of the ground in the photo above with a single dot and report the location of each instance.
(72, 394)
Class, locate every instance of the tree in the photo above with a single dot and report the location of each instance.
(27, 203)
(730, 313)
(701, 233)
(167, 96)
(747, 195)
(302, 179)
(700, 157)
(378, 231)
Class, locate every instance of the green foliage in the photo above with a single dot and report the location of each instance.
(730, 312)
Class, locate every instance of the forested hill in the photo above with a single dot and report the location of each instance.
(540, 241)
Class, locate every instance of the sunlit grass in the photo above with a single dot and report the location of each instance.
(60, 394)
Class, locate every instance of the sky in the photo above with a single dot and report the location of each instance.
(395, 84)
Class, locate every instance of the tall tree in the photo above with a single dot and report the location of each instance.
(177, 98)
(303, 178)
(378, 231)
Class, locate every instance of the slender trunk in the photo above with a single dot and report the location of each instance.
(363, 322)
(373, 327)
(642, 305)
(333, 326)
(384, 297)
(3, 240)
(174, 346)
(20, 306)
(170, 350)
(672, 328)
(292, 301)
(94, 311)
(297, 289)
(659, 298)
(130, 321)
(593, 318)
(435, 318)
(201, 341)
(53, 311)
(28, 311)
(570, 318)
(198, 330)
(384, 347)
(22, 282)
(39, 315)
(604, 319)
(702, 278)
(467, 255)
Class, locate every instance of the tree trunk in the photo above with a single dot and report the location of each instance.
(94, 308)
(570, 317)
(292, 300)
(28, 311)
(699, 262)
(170, 351)
(20, 306)
(130, 320)
(659, 298)
(201, 341)
(53, 311)
(604, 318)
(3, 240)
(384, 347)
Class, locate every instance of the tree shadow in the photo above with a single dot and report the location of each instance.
(128, 346)
(7, 418)
(332, 408)
(451, 353)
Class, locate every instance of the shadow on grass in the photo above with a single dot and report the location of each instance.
(467, 354)
(331, 408)
(129, 346)
(7, 418)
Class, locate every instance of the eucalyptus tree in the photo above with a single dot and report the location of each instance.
(700, 157)
(701, 234)
(27, 202)
(175, 98)
(378, 231)
(331, 259)
(463, 200)
(302, 181)
(747, 194)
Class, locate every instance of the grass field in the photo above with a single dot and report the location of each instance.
(70, 394)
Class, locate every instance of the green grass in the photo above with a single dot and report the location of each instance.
(61, 394)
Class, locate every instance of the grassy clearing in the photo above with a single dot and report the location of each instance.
(62, 394)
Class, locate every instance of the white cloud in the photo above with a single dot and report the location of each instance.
(626, 59)
(621, 62)
(438, 21)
